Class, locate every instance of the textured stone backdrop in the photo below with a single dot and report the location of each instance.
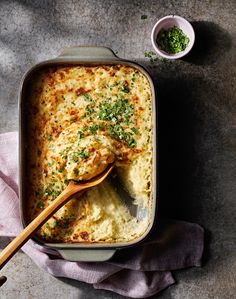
(197, 122)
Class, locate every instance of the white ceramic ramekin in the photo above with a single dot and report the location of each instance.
(168, 22)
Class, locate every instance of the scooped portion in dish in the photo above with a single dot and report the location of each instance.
(85, 159)
(82, 118)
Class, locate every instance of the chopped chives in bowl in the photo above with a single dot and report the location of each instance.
(172, 40)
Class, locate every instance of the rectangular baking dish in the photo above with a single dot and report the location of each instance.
(83, 56)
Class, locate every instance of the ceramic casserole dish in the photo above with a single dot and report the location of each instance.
(119, 219)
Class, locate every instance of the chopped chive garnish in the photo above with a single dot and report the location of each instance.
(40, 205)
(172, 40)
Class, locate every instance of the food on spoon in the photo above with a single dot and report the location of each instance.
(81, 119)
(85, 159)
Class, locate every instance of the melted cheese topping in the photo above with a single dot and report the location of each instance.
(80, 119)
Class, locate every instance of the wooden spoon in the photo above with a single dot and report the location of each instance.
(61, 200)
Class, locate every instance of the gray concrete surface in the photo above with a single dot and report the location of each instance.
(197, 120)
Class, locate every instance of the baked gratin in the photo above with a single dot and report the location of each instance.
(80, 119)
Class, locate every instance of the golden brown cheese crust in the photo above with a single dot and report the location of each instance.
(80, 119)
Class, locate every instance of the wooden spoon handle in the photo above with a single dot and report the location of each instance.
(25, 235)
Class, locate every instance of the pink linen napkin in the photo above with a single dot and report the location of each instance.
(137, 272)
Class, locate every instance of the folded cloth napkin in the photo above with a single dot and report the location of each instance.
(137, 272)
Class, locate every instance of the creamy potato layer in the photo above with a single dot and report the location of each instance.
(80, 119)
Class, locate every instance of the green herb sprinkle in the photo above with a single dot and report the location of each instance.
(172, 40)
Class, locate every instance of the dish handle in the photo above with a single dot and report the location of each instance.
(87, 255)
(88, 53)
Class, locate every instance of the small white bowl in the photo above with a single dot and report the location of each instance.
(171, 21)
